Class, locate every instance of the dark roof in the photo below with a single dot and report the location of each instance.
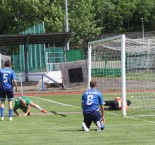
(43, 38)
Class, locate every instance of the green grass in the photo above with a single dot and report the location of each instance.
(64, 127)
(143, 76)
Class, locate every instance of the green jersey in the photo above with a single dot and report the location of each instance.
(19, 106)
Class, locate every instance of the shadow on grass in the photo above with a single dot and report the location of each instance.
(61, 114)
(81, 130)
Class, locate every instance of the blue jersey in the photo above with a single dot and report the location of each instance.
(91, 99)
(7, 75)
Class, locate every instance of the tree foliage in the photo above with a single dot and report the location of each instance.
(87, 18)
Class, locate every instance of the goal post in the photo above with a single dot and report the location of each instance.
(125, 68)
(91, 44)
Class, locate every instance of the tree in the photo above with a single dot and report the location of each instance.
(109, 14)
(145, 10)
(87, 18)
(120, 16)
(82, 22)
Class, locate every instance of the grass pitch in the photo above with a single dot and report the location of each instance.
(62, 126)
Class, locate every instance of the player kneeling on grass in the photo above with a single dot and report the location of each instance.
(25, 104)
(91, 100)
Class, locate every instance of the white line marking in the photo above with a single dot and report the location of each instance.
(69, 105)
(140, 119)
(112, 113)
(57, 102)
(133, 118)
(80, 107)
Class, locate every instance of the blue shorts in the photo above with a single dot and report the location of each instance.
(9, 94)
(93, 116)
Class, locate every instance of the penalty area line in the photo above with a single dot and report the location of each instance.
(112, 113)
(69, 105)
(56, 102)
(134, 118)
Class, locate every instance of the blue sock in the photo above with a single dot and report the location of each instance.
(10, 112)
(2, 112)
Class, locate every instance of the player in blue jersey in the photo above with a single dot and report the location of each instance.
(91, 100)
(7, 78)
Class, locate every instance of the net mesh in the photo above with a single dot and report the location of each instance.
(140, 76)
(140, 60)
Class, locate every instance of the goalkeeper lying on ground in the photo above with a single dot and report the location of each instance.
(25, 104)
(116, 104)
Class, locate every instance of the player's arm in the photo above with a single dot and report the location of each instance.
(15, 111)
(82, 101)
(15, 84)
(28, 110)
(102, 112)
(82, 105)
(101, 102)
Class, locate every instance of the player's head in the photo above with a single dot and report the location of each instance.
(22, 102)
(7, 63)
(128, 102)
(92, 83)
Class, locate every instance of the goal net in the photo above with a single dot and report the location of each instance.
(125, 68)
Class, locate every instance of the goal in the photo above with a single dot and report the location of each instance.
(125, 68)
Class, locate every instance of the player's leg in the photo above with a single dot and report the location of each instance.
(109, 103)
(10, 109)
(2, 98)
(97, 119)
(2, 109)
(84, 127)
(32, 104)
(87, 122)
(10, 97)
(113, 105)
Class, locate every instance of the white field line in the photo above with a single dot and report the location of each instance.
(57, 102)
(112, 113)
(68, 104)
(141, 119)
(80, 107)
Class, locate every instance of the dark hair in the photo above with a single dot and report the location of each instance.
(92, 83)
(128, 102)
(7, 63)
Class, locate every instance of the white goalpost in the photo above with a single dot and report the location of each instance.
(125, 68)
(93, 47)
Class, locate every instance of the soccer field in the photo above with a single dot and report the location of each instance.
(62, 126)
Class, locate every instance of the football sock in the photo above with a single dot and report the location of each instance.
(10, 112)
(2, 112)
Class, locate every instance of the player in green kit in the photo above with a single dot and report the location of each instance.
(25, 104)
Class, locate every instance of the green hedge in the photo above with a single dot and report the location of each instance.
(101, 72)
